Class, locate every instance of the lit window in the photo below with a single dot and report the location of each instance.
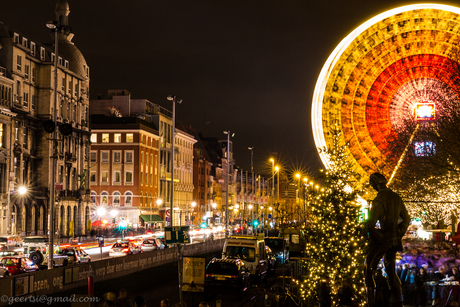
(93, 197)
(105, 138)
(116, 177)
(129, 138)
(117, 138)
(105, 177)
(104, 198)
(93, 137)
(129, 177)
(116, 198)
(128, 198)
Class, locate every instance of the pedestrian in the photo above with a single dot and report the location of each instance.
(412, 283)
(180, 304)
(165, 303)
(421, 288)
(109, 298)
(388, 208)
(345, 294)
(139, 302)
(203, 304)
(122, 299)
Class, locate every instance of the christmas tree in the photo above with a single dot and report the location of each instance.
(336, 243)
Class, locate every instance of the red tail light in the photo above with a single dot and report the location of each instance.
(234, 276)
(208, 275)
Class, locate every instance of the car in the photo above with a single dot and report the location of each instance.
(276, 245)
(121, 249)
(163, 240)
(13, 265)
(230, 275)
(150, 244)
(75, 254)
(36, 249)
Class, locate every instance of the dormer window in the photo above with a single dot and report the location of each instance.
(66, 64)
(24, 42)
(16, 38)
(52, 57)
(42, 53)
(60, 61)
(32, 48)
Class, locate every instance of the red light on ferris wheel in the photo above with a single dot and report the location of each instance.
(425, 111)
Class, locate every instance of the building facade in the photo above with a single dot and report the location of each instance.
(124, 171)
(27, 101)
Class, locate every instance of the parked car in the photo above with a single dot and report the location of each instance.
(230, 275)
(75, 254)
(280, 251)
(150, 244)
(121, 249)
(13, 265)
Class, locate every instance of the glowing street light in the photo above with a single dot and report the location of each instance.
(22, 190)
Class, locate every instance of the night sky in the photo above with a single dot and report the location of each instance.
(245, 66)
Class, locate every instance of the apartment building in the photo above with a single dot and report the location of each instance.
(124, 171)
(27, 100)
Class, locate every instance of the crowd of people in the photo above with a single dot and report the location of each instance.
(429, 274)
(123, 300)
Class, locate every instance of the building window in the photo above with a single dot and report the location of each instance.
(105, 157)
(116, 156)
(104, 198)
(142, 178)
(93, 137)
(42, 53)
(19, 63)
(104, 177)
(105, 138)
(142, 157)
(128, 198)
(26, 100)
(93, 198)
(66, 64)
(117, 137)
(116, 177)
(129, 177)
(129, 157)
(93, 178)
(63, 84)
(116, 198)
(70, 86)
(129, 138)
(93, 156)
(26, 72)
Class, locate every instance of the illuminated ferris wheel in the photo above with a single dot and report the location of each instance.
(397, 64)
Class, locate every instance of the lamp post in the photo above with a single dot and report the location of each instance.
(227, 132)
(277, 169)
(273, 186)
(173, 128)
(252, 174)
(56, 27)
(298, 193)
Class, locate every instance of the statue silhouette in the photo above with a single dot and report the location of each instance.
(388, 209)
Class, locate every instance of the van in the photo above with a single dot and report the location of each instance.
(36, 249)
(251, 250)
(296, 239)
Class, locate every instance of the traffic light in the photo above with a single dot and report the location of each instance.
(49, 126)
(255, 223)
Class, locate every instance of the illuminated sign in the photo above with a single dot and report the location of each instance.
(423, 149)
(425, 111)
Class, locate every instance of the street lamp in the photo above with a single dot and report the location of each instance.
(227, 132)
(56, 27)
(273, 185)
(174, 100)
(277, 169)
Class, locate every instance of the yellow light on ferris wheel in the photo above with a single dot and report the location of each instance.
(425, 111)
